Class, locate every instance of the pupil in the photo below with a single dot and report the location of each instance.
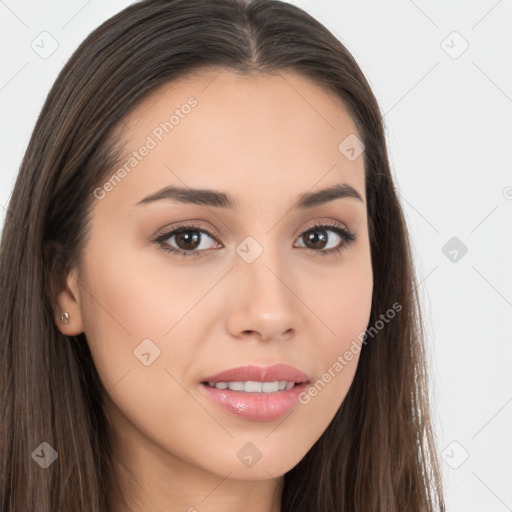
(313, 237)
(184, 237)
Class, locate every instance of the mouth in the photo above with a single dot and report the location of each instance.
(256, 393)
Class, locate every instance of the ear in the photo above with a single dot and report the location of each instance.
(67, 299)
(63, 290)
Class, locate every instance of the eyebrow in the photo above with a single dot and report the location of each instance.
(208, 197)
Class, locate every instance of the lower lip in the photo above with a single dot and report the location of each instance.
(255, 406)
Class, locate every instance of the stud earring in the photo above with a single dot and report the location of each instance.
(64, 318)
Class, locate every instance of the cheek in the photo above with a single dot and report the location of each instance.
(343, 304)
(340, 296)
(133, 308)
(140, 327)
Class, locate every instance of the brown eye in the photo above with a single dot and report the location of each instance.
(188, 240)
(318, 238)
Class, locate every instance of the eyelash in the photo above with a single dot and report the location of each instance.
(347, 236)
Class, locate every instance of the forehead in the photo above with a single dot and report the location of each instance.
(268, 135)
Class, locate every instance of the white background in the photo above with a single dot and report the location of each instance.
(448, 124)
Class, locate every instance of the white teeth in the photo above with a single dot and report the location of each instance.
(236, 386)
(270, 387)
(251, 386)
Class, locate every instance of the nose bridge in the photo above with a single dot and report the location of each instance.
(262, 265)
(264, 300)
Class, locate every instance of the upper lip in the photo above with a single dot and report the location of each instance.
(260, 374)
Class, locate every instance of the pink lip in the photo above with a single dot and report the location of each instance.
(259, 373)
(257, 406)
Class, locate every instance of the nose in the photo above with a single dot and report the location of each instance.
(262, 301)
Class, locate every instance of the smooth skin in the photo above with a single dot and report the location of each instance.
(265, 140)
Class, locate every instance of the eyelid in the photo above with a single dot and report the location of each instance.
(189, 224)
(324, 223)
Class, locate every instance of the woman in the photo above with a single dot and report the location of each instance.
(208, 297)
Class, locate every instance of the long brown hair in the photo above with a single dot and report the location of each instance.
(378, 453)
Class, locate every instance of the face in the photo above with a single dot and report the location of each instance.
(264, 281)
